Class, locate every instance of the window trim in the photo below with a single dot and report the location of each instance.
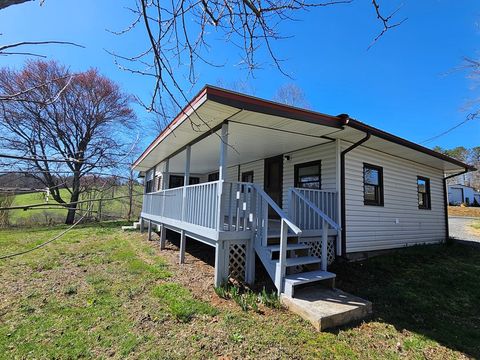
(307, 164)
(213, 175)
(197, 180)
(428, 206)
(247, 173)
(380, 201)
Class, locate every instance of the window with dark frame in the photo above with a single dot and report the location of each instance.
(213, 176)
(177, 181)
(247, 176)
(372, 185)
(308, 175)
(423, 189)
(150, 181)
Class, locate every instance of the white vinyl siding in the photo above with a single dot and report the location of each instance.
(325, 153)
(399, 222)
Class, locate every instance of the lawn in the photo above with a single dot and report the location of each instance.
(99, 292)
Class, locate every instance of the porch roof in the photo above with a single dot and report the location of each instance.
(260, 128)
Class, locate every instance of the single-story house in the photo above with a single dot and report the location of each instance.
(293, 188)
(462, 194)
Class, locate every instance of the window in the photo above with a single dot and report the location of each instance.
(423, 189)
(177, 181)
(308, 175)
(372, 185)
(247, 177)
(214, 176)
(149, 181)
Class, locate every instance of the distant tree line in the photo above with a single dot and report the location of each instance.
(467, 155)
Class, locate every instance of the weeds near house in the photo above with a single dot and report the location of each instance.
(248, 299)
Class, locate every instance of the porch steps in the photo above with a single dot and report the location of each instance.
(293, 280)
(301, 260)
(276, 247)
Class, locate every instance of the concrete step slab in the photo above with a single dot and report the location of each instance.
(327, 308)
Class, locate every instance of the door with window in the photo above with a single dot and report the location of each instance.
(273, 181)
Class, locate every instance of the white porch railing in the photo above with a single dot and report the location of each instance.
(311, 216)
(263, 203)
(305, 215)
(200, 205)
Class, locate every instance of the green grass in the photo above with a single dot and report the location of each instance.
(99, 292)
(116, 208)
(180, 302)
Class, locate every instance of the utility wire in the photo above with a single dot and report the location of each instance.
(469, 117)
(69, 228)
(48, 241)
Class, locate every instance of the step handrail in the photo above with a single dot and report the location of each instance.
(285, 223)
(319, 212)
(278, 210)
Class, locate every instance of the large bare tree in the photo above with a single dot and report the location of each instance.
(291, 94)
(64, 127)
(183, 33)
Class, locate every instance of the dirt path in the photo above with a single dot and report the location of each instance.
(461, 228)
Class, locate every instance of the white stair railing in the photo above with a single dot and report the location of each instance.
(263, 203)
(304, 212)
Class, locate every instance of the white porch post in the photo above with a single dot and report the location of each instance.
(149, 229)
(338, 150)
(182, 247)
(222, 172)
(221, 263)
(186, 180)
(163, 236)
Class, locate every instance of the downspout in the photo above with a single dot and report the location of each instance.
(342, 190)
(445, 200)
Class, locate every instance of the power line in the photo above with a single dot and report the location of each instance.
(65, 205)
(469, 117)
(46, 242)
(68, 229)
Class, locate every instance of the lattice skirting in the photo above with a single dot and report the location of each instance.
(316, 248)
(238, 256)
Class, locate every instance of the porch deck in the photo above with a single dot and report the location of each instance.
(236, 218)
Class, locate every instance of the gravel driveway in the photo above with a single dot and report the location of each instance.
(460, 228)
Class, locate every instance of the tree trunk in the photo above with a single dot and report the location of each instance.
(72, 208)
(130, 199)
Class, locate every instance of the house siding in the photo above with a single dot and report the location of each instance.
(325, 152)
(399, 222)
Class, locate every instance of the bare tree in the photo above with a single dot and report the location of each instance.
(293, 95)
(62, 141)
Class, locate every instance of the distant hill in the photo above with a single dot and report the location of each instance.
(19, 181)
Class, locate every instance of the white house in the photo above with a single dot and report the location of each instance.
(296, 187)
(459, 194)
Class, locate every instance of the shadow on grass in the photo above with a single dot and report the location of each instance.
(430, 290)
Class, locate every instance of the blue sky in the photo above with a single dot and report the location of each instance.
(408, 83)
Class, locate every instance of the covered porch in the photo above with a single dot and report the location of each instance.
(218, 177)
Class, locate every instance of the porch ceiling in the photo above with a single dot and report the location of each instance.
(252, 136)
(248, 142)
